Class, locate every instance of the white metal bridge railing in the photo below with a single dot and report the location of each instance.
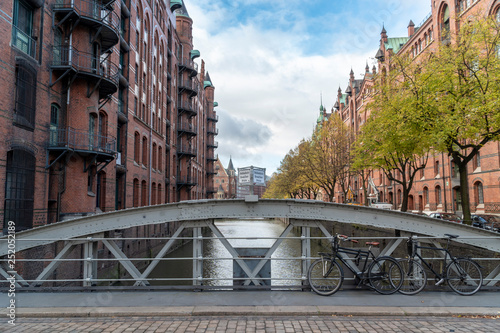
(89, 272)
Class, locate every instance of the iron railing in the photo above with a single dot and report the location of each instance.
(68, 56)
(89, 276)
(81, 140)
(91, 9)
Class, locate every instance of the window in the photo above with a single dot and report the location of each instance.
(154, 166)
(22, 28)
(160, 159)
(438, 194)
(144, 194)
(25, 95)
(136, 192)
(19, 189)
(153, 193)
(92, 131)
(137, 147)
(159, 194)
(476, 161)
(436, 168)
(478, 188)
(144, 151)
(445, 24)
(426, 196)
(54, 125)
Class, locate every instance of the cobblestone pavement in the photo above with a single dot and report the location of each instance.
(245, 324)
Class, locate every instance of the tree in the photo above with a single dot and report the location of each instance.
(392, 138)
(327, 156)
(465, 109)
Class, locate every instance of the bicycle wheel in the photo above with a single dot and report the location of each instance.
(325, 276)
(385, 275)
(415, 277)
(464, 276)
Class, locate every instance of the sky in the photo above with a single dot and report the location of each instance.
(273, 62)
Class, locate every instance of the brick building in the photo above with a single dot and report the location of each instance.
(103, 108)
(225, 180)
(437, 187)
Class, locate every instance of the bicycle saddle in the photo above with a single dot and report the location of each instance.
(451, 236)
(373, 243)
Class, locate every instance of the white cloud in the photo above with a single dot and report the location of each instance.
(267, 83)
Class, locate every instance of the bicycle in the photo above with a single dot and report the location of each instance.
(463, 275)
(325, 275)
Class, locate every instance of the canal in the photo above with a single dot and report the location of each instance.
(260, 233)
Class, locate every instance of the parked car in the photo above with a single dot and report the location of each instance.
(492, 221)
(446, 216)
(478, 221)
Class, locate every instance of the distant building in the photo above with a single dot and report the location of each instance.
(225, 182)
(251, 181)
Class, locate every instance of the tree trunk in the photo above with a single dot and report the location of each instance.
(464, 192)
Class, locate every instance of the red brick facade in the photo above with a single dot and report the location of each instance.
(437, 187)
(103, 108)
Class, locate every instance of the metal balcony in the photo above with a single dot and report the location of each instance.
(70, 61)
(212, 157)
(189, 86)
(189, 65)
(213, 117)
(186, 181)
(90, 13)
(184, 127)
(185, 150)
(82, 142)
(186, 107)
(212, 144)
(213, 131)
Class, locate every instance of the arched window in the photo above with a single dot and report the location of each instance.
(136, 192)
(426, 196)
(19, 188)
(436, 168)
(478, 189)
(159, 196)
(153, 162)
(93, 121)
(445, 24)
(144, 151)
(144, 193)
(160, 159)
(438, 194)
(153, 193)
(137, 147)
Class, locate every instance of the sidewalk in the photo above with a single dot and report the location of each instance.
(250, 303)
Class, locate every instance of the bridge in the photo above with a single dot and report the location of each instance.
(196, 215)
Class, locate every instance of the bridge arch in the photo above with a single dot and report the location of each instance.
(203, 213)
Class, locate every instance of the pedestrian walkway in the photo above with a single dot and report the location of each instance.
(252, 311)
(263, 324)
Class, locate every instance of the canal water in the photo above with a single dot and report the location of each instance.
(248, 234)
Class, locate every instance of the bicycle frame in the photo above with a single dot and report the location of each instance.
(359, 254)
(441, 275)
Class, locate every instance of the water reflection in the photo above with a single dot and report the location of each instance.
(286, 272)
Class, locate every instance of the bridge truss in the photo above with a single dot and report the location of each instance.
(196, 215)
